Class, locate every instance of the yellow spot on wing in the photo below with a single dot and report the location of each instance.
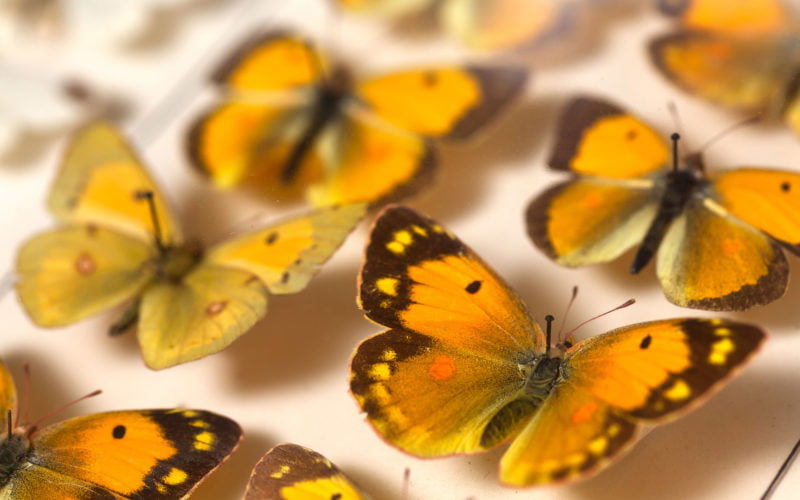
(679, 391)
(380, 371)
(387, 285)
(389, 354)
(175, 476)
(204, 441)
(720, 350)
(403, 237)
(189, 413)
(598, 445)
(419, 230)
(584, 413)
(395, 247)
(285, 469)
(722, 332)
(202, 424)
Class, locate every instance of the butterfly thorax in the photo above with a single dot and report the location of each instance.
(325, 109)
(680, 186)
(14, 451)
(541, 376)
(176, 262)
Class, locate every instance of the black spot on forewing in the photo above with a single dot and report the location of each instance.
(717, 347)
(271, 238)
(645, 342)
(118, 432)
(786, 187)
(473, 287)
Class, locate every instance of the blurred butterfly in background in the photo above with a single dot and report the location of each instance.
(719, 237)
(289, 471)
(743, 54)
(463, 367)
(158, 454)
(34, 104)
(119, 244)
(484, 24)
(289, 124)
(119, 22)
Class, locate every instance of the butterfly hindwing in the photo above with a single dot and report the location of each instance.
(68, 274)
(590, 220)
(289, 471)
(748, 268)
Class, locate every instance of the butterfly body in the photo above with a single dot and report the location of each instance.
(717, 238)
(463, 367)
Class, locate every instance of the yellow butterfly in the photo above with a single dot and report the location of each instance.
(156, 454)
(741, 54)
(290, 125)
(464, 368)
(119, 244)
(292, 472)
(719, 236)
(485, 24)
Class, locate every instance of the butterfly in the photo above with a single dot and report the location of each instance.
(738, 54)
(158, 454)
(483, 24)
(289, 471)
(290, 125)
(118, 243)
(719, 236)
(463, 367)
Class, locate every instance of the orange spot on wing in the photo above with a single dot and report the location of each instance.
(84, 264)
(732, 247)
(584, 413)
(442, 368)
(215, 308)
(592, 200)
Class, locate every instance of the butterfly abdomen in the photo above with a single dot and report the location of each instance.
(541, 376)
(326, 109)
(13, 452)
(681, 186)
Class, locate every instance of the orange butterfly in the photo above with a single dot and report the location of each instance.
(741, 54)
(717, 238)
(463, 367)
(154, 454)
(291, 125)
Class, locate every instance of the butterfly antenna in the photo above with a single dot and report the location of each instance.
(625, 304)
(676, 117)
(35, 425)
(10, 424)
(549, 319)
(675, 138)
(26, 394)
(773, 485)
(566, 311)
(159, 237)
(736, 126)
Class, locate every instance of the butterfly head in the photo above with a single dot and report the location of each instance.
(14, 449)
